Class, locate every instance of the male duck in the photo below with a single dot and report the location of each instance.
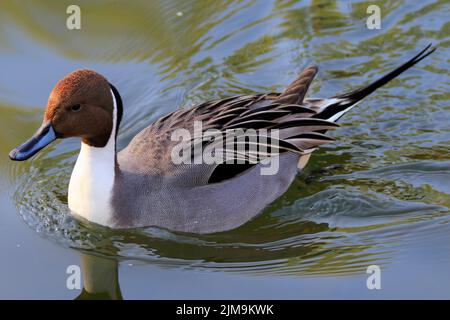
(142, 186)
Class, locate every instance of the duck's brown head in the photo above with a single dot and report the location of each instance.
(83, 104)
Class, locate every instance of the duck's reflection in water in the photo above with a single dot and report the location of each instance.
(100, 279)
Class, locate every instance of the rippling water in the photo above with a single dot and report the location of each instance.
(373, 197)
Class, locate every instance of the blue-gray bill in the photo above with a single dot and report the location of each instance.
(44, 136)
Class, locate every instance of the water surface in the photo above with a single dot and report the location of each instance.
(379, 195)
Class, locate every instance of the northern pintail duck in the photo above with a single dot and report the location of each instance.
(142, 185)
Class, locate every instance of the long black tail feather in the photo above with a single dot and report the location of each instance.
(360, 93)
(347, 100)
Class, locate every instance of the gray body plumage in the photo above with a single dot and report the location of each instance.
(150, 190)
(151, 200)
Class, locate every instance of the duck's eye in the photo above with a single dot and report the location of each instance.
(75, 108)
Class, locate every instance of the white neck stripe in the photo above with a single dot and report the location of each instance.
(114, 128)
